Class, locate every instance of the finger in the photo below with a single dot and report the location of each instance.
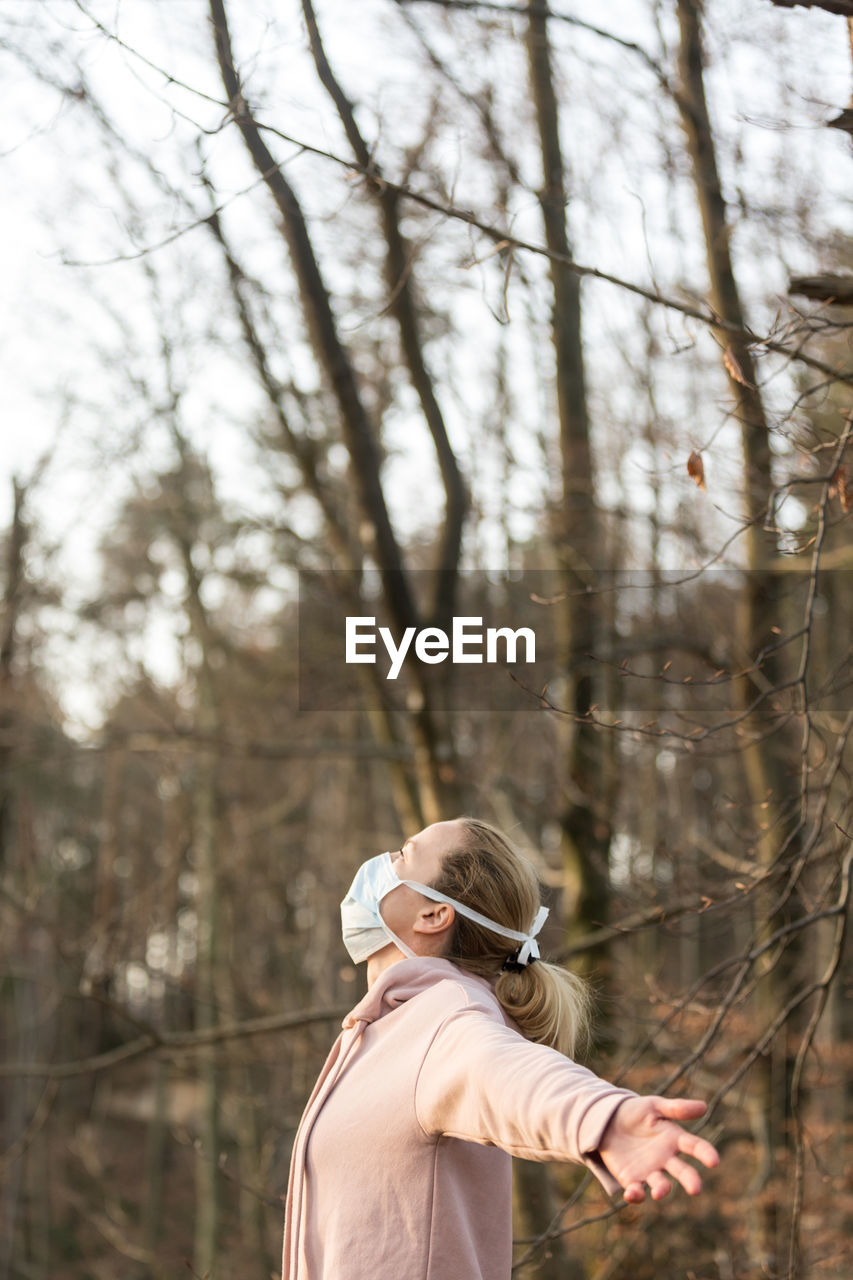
(702, 1150)
(634, 1193)
(685, 1174)
(659, 1185)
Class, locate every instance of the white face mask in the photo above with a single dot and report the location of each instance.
(365, 932)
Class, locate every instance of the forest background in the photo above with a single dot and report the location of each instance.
(425, 308)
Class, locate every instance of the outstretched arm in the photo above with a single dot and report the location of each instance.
(643, 1142)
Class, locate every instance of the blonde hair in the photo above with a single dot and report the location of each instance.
(550, 1004)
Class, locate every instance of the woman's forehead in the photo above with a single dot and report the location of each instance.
(438, 835)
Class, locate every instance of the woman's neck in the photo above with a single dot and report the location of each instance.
(382, 960)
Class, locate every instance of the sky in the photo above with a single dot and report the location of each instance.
(52, 193)
(75, 339)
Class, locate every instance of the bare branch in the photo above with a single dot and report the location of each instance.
(824, 288)
(842, 7)
(172, 1042)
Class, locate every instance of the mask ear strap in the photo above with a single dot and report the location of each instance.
(530, 948)
(390, 934)
(398, 942)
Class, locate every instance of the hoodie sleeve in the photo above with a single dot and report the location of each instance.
(483, 1082)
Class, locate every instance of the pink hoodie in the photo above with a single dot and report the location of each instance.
(401, 1166)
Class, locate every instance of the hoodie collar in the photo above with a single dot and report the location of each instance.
(404, 980)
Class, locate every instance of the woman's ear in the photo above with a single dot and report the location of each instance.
(435, 918)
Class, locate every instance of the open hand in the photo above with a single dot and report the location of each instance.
(643, 1143)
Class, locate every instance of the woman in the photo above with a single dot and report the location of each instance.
(453, 1062)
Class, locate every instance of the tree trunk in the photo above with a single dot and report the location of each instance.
(433, 749)
(156, 1145)
(205, 865)
(155, 1167)
(347, 552)
(204, 845)
(577, 542)
(535, 1205)
(576, 529)
(14, 577)
(16, 996)
(769, 790)
(402, 304)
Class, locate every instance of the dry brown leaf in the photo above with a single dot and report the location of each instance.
(839, 484)
(696, 468)
(734, 369)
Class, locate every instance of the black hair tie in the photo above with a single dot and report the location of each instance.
(511, 965)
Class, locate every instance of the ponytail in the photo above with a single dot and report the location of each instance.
(549, 1004)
